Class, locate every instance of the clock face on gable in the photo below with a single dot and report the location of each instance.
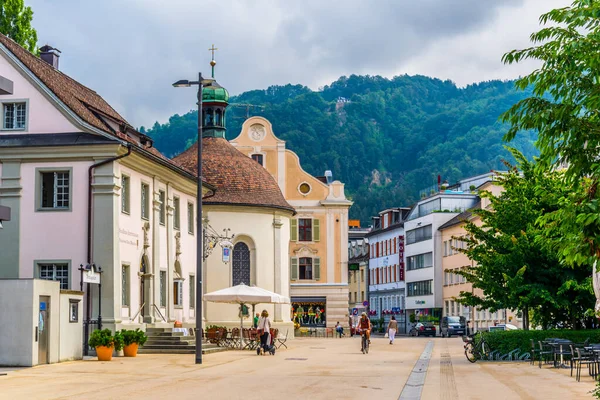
(257, 132)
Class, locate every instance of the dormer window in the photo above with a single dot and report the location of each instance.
(14, 116)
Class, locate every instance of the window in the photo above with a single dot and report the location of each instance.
(55, 272)
(145, 198)
(55, 190)
(240, 265)
(192, 291)
(362, 295)
(125, 180)
(305, 229)
(163, 288)
(304, 188)
(420, 288)
(14, 116)
(178, 293)
(419, 261)
(447, 307)
(258, 158)
(418, 235)
(73, 310)
(125, 286)
(176, 213)
(162, 211)
(190, 218)
(305, 266)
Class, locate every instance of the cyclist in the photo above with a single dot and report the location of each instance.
(364, 325)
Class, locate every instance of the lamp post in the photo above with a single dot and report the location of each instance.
(201, 82)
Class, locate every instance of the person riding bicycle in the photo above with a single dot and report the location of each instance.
(364, 325)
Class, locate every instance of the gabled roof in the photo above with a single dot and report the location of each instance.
(82, 100)
(86, 104)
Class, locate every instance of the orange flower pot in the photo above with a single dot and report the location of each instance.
(104, 353)
(130, 350)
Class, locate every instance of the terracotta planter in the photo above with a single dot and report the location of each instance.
(130, 350)
(104, 353)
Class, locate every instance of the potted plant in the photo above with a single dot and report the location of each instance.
(118, 342)
(132, 340)
(104, 342)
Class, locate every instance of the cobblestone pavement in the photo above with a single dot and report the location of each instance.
(310, 369)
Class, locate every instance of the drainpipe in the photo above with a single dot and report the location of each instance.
(89, 237)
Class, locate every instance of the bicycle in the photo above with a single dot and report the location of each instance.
(364, 342)
(475, 351)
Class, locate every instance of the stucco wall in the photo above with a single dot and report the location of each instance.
(43, 116)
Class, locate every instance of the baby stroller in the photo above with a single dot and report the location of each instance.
(270, 346)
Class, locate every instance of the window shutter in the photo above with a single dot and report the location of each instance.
(294, 268)
(316, 230)
(294, 231)
(317, 268)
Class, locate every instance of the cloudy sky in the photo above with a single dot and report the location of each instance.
(130, 51)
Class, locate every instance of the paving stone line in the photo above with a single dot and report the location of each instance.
(414, 385)
(448, 390)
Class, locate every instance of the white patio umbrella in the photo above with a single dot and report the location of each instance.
(242, 294)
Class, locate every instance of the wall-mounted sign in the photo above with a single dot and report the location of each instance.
(355, 311)
(419, 301)
(91, 276)
(385, 262)
(353, 267)
(226, 254)
(366, 303)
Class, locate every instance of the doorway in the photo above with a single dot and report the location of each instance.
(43, 330)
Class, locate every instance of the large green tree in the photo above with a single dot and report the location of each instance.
(513, 266)
(15, 22)
(564, 109)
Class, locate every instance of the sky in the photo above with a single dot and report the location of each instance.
(131, 51)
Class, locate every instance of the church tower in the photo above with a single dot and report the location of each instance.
(214, 102)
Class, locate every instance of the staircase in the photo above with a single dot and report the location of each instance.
(165, 341)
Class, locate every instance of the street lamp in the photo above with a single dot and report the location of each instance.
(201, 82)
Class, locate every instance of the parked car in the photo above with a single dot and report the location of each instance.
(453, 326)
(423, 329)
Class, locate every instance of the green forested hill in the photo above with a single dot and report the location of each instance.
(385, 138)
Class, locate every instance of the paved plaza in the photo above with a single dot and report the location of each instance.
(310, 369)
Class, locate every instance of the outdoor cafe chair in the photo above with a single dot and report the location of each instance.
(281, 339)
(585, 358)
(545, 353)
(535, 353)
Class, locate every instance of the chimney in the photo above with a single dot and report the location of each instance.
(329, 177)
(50, 55)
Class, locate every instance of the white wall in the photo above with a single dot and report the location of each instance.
(71, 333)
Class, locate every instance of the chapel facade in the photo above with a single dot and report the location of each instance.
(318, 233)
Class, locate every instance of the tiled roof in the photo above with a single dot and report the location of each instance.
(238, 179)
(81, 100)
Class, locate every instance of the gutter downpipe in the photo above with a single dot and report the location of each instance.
(89, 241)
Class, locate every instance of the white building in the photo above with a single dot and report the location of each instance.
(386, 266)
(424, 272)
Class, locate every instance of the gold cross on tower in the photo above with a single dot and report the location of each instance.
(212, 61)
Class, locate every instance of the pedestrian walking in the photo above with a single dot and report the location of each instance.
(264, 330)
(255, 322)
(350, 325)
(392, 329)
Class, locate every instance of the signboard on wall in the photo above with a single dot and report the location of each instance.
(353, 267)
(91, 276)
(226, 254)
(401, 256)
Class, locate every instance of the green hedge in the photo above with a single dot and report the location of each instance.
(506, 341)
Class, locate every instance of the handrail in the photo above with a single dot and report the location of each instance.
(139, 311)
(159, 313)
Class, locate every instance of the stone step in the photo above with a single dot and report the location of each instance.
(205, 350)
(149, 334)
(170, 338)
(153, 330)
(168, 343)
(169, 346)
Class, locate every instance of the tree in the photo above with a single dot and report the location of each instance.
(564, 110)
(15, 22)
(514, 267)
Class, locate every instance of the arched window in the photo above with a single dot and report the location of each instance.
(240, 269)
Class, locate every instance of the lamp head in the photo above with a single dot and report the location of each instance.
(182, 83)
